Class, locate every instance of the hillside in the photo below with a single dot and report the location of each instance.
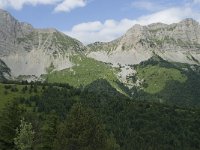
(178, 42)
(173, 83)
(137, 90)
(157, 62)
(98, 115)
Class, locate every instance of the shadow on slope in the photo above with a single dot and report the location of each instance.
(181, 86)
(4, 71)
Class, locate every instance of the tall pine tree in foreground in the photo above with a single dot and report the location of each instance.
(25, 135)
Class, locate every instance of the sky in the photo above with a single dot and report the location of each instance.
(99, 20)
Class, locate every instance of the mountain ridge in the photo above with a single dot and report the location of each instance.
(52, 56)
(30, 51)
(177, 42)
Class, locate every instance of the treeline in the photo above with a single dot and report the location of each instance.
(96, 117)
(39, 83)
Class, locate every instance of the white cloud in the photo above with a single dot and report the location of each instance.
(111, 29)
(18, 4)
(97, 31)
(60, 5)
(168, 16)
(89, 26)
(68, 5)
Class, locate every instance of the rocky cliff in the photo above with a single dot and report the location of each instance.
(26, 51)
(179, 42)
(29, 51)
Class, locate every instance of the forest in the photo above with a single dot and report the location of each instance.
(61, 117)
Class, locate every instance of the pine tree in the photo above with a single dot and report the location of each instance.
(81, 131)
(9, 121)
(25, 135)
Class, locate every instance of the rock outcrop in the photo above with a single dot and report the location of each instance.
(29, 51)
(179, 42)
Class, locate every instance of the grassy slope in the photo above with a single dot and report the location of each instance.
(4, 98)
(173, 83)
(85, 72)
(156, 77)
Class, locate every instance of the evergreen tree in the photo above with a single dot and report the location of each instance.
(81, 131)
(9, 121)
(25, 135)
(47, 132)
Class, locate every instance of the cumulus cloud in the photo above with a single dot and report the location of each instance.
(68, 5)
(60, 5)
(168, 16)
(108, 30)
(18, 4)
(99, 31)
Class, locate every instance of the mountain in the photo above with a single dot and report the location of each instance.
(178, 42)
(146, 63)
(29, 51)
(140, 91)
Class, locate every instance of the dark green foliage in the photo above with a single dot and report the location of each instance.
(59, 100)
(47, 132)
(144, 125)
(6, 92)
(10, 119)
(7, 87)
(186, 93)
(14, 88)
(99, 117)
(81, 131)
(24, 89)
(35, 89)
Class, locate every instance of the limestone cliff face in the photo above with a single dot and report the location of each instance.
(178, 42)
(29, 51)
(10, 31)
(25, 50)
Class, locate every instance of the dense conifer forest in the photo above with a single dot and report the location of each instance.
(61, 117)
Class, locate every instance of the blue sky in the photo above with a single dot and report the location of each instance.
(99, 20)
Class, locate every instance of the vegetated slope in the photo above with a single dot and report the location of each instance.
(85, 71)
(25, 51)
(155, 73)
(140, 124)
(102, 87)
(100, 111)
(8, 92)
(173, 83)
